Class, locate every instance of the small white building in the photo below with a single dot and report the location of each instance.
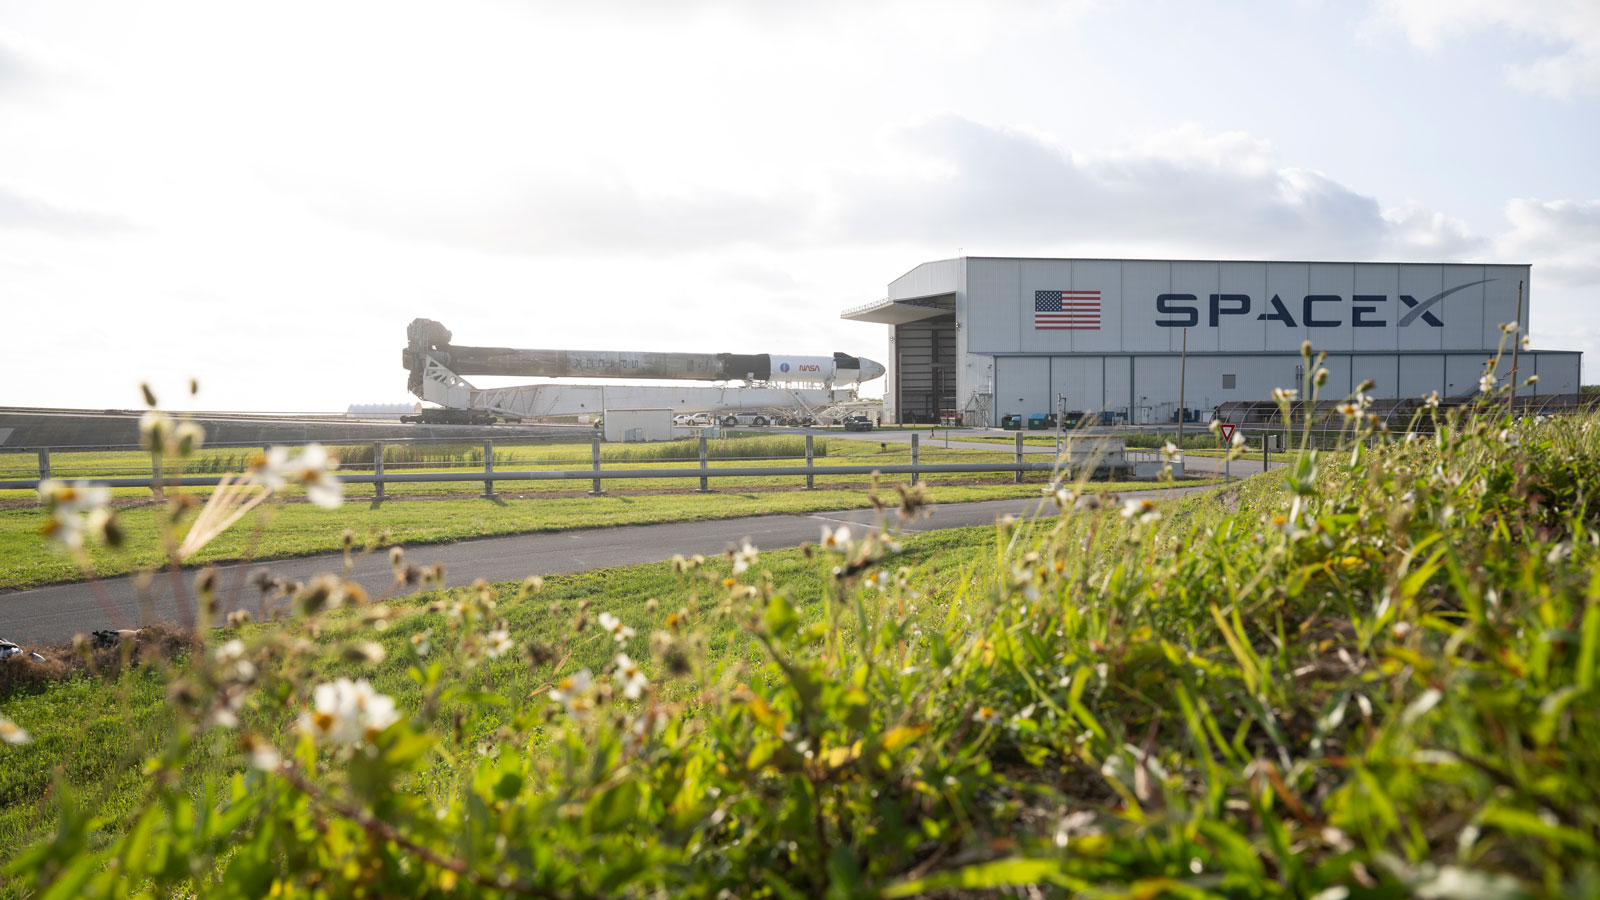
(633, 425)
(988, 336)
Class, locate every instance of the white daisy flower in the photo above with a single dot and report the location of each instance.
(630, 677)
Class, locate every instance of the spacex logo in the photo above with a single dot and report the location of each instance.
(1314, 310)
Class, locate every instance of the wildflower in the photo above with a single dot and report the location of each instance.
(73, 507)
(744, 556)
(1350, 411)
(1486, 383)
(1140, 511)
(1285, 395)
(346, 712)
(628, 675)
(836, 540)
(878, 580)
(1431, 400)
(1320, 378)
(187, 438)
(986, 715)
(262, 754)
(153, 428)
(572, 692)
(499, 643)
(312, 468)
(1238, 439)
(1169, 451)
(12, 733)
(619, 632)
(230, 657)
(1508, 327)
(421, 642)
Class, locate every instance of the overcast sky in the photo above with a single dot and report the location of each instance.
(263, 196)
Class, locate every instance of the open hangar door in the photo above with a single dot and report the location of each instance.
(925, 368)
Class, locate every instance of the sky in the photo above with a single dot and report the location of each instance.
(262, 196)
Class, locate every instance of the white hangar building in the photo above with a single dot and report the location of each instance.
(990, 336)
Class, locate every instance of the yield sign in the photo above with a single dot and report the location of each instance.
(1227, 432)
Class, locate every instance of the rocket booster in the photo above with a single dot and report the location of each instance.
(430, 339)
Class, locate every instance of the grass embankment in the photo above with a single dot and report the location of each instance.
(1373, 675)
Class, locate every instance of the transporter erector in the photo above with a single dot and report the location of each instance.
(784, 386)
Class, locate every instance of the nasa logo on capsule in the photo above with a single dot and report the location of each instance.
(783, 367)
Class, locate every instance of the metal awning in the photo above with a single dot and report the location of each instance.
(903, 310)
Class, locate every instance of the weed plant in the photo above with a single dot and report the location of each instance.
(1370, 675)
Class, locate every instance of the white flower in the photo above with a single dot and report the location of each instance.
(1486, 383)
(420, 642)
(619, 632)
(1282, 395)
(499, 643)
(1169, 451)
(1431, 400)
(12, 733)
(836, 540)
(986, 715)
(573, 692)
(1238, 439)
(346, 712)
(231, 657)
(1141, 510)
(312, 468)
(628, 675)
(878, 580)
(743, 558)
(264, 757)
(71, 507)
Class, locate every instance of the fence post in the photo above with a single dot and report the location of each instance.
(488, 469)
(44, 469)
(811, 478)
(705, 486)
(914, 437)
(377, 470)
(1019, 458)
(596, 492)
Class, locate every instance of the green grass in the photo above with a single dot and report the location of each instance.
(91, 735)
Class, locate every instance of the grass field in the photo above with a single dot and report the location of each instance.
(93, 734)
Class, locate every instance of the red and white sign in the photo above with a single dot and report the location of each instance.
(1227, 431)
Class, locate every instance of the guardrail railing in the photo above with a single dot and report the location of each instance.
(595, 473)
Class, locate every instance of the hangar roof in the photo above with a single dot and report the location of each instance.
(903, 310)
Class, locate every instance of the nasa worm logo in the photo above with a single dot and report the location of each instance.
(783, 367)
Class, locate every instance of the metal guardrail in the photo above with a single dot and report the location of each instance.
(596, 474)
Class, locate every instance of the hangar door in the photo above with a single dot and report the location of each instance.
(925, 368)
(1022, 386)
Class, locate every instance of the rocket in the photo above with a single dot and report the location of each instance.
(429, 339)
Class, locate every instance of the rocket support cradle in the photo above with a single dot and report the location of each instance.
(437, 368)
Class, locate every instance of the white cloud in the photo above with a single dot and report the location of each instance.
(1570, 27)
(954, 181)
(1561, 238)
(19, 211)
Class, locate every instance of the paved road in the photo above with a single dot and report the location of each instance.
(52, 615)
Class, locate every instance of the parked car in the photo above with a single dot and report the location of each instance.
(857, 423)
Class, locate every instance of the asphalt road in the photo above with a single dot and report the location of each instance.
(52, 615)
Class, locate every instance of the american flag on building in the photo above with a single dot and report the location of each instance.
(1066, 310)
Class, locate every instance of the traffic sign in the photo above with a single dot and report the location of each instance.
(1227, 432)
